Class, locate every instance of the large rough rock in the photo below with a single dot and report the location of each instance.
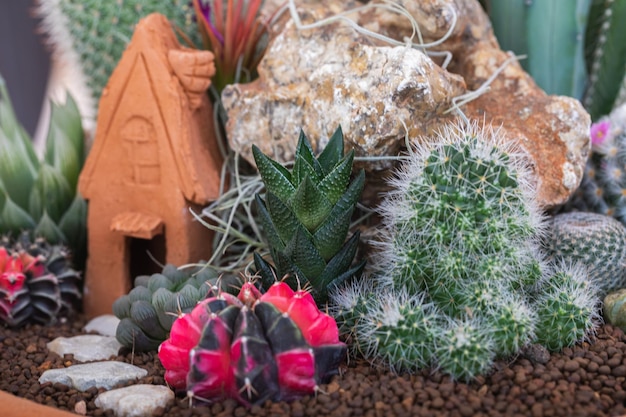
(314, 79)
(306, 81)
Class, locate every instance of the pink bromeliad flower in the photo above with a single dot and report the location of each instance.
(600, 131)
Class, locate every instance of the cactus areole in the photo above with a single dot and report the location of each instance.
(253, 347)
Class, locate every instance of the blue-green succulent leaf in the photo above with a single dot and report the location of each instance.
(337, 180)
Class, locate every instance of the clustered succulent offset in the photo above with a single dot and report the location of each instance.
(147, 312)
(37, 283)
(461, 278)
(306, 216)
(252, 347)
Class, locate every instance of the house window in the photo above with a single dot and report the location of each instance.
(142, 150)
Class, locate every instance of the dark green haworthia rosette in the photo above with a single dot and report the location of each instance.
(306, 216)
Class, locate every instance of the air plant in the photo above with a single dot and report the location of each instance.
(234, 33)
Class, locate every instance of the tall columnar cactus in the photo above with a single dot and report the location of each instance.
(37, 283)
(147, 312)
(605, 53)
(596, 241)
(92, 35)
(306, 216)
(41, 196)
(603, 187)
(460, 260)
(252, 347)
(586, 57)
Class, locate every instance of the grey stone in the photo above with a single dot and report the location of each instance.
(86, 348)
(96, 374)
(105, 325)
(135, 401)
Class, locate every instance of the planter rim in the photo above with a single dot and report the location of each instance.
(13, 406)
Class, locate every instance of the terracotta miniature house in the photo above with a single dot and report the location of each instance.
(154, 158)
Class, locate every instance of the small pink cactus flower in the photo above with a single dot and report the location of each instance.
(600, 131)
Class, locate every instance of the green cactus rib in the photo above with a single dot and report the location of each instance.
(605, 53)
(97, 32)
(306, 214)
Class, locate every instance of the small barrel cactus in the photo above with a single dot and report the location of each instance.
(614, 308)
(37, 282)
(595, 240)
(147, 312)
(252, 347)
(306, 216)
(567, 307)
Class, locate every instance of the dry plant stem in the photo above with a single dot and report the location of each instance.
(389, 6)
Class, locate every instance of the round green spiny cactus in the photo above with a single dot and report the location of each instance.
(595, 240)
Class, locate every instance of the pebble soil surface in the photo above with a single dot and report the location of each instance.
(586, 380)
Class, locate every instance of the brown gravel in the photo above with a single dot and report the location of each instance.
(586, 380)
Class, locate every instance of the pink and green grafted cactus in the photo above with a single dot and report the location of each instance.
(36, 282)
(252, 347)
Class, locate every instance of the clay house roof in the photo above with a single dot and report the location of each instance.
(178, 79)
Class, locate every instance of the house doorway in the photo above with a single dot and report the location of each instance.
(146, 255)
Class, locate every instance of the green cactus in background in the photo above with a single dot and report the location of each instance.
(95, 33)
(595, 240)
(557, 65)
(460, 276)
(605, 53)
(148, 311)
(306, 216)
(41, 196)
(585, 57)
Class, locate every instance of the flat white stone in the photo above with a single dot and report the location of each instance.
(85, 348)
(135, 401)
(105, 325)
(96, 374)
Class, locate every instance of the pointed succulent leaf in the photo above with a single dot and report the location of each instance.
(61, 154)
(16, 171)
(304, 254)
(310, 204)
(284, 220)
(339, 263)
(271, 234)
(67, 118)
(336, 182)
(333, 151)
(54, 190)
(305, 162)
(276, 178)
(265, 270)
(13, 218)
(49, 230)
(73, 223)
(331, 234)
